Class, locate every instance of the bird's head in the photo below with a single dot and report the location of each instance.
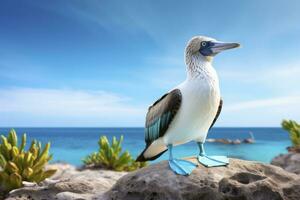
(204, 48)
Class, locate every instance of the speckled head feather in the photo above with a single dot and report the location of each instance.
(194, 60)
(193, 48)
(200, 51)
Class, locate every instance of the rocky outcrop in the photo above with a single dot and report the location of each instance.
(229, 141)
(290, 162)
(69, 183)
(239, 180)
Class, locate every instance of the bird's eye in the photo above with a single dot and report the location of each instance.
(203, 44)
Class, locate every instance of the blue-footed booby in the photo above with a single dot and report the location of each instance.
(189, 110)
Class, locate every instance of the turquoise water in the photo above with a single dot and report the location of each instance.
(72, 144)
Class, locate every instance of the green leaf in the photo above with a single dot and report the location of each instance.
(23, 143)
(110, 156)
(293, 129)
(18, 164)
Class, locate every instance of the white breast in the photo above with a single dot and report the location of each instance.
(200, 101)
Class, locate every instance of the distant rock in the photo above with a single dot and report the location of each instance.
(236, 141)
(229, 141)
(69, 183)
(241, 179)
(293, 149)
(290, 162)
(249, 141)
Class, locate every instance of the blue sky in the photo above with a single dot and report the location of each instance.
(101, 63)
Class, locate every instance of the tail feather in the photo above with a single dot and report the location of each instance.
(141, 157)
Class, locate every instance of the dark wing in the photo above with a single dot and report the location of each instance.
(161, 114)
(218, 113)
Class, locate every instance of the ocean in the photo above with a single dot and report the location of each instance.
(73, 144)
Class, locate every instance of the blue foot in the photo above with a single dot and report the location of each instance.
(182, 167)
(213, 161)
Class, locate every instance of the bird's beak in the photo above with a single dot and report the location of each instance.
(217, 46)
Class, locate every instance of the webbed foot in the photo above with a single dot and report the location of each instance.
(213, 161)
(182, 167)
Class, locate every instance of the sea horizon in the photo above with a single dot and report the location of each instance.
(12, 127)
(72, 144)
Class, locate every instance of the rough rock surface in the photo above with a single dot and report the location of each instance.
(290, 162)
(72, 184)
(240, 180)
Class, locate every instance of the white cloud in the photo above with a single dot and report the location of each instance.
(61, 106)
(263, 103)
(66, 107)
(262, 112)
(283, 78)
(262, 97)
(279, 70)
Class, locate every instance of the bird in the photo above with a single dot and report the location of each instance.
(188, 111)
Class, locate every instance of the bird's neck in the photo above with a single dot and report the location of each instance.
(199, 68)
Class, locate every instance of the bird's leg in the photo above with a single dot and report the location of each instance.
(182, 167)
(211, 161)
(201, 148)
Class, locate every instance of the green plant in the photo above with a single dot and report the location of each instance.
(110, 156)
(20, 165)
(294, 131)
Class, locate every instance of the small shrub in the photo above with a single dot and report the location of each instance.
(19, 165)
(110, 156)
(294, 131)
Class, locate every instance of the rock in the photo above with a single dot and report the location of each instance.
(293, 149)
(224, 141)
(71, 184)
(237, 141)
(248, 141)
(246, 180)
(228, 141)
(290, 162)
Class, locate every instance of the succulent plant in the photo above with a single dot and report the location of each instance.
(110, 156)
(19, 165)
(294, 131)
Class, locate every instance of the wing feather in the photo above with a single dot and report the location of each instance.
(218, 113)
(161, 114)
